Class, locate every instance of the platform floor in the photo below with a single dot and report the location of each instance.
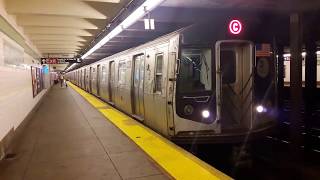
(68, 139)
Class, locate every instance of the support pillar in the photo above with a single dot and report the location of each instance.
(280, 77)
(295, 84)
(311, 86)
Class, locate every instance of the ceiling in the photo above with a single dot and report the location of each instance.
(175, 14)
(274, 5)
(68, 27)
(63, 26)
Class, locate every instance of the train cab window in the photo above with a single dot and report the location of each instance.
(122, 72)
(158, 73)
(228, 66)
(195, 74)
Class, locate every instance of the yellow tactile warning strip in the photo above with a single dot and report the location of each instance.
(177, 162)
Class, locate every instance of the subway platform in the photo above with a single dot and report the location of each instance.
(74, 135)
(67, 138)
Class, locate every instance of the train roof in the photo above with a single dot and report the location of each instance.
(163, 38)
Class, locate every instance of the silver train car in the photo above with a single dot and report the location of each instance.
(188, 88)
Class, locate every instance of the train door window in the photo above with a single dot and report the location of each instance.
(158, 73)
(112, 77)
(138, 85)
(103, 74)
(122, 72)
(228, 66)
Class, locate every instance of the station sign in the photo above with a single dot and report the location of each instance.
(235, 27)
(60, 60)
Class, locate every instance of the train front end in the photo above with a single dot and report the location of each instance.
(225, 86)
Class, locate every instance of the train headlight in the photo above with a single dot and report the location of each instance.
(205, 113)
(261, 109)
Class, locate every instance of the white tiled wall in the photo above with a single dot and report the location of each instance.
(16, 99)
(287, 72)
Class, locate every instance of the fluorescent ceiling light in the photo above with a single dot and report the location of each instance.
(149, 24)
(146, 24)
(72, 66)
(286, 55)
(152, 26)
(304, 54)
(139, 13)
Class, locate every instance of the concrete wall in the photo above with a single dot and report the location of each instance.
(12, 21)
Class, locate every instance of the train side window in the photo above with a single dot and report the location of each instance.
(228, 66)
(122, 72)
(158, 73)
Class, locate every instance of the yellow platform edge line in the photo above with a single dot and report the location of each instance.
(176, 161)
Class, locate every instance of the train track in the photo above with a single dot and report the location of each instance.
(269, 157)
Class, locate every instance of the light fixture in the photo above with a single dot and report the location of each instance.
(286, 55)
(70, 67)
(205, 113)
(141, 11)
(149, 23)
(304, 54)
(146, 23)
(152, 25)
(260, 109)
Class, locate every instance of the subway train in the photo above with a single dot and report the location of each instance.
(194, 85)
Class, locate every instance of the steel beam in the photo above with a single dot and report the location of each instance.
(311, 86)
(295, 83)
(280, 79)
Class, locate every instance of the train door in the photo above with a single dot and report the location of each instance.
(111, 84)
(81, 78)
(170, 91)
(77, 78)
(98, 79)
(103, 83)
(84, 79)
(90, 79)
(234, 84)
(138, 86)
